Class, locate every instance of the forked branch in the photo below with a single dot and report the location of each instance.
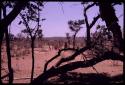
(72, 56)
(56, 56)
(74, 65)
(89, 26)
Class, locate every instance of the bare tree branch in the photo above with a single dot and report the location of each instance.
(72, 56)
(89, 26)
(86, 18)
(59, 52)
(78, 64)
(94, 21)
(89, 6)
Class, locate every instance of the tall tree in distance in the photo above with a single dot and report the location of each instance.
(67, 44)
(75, 26)
(39, 34)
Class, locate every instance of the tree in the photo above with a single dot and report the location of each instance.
(17, 7)
(39, 34)
(32, 32)
(7, 35)
(75, 26)
(111, 22)
(67, 44)
(7, 20)
(89, 25)
(78, 64)
(73, 65)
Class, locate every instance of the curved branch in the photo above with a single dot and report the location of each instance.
(74, 65)
(89, 6)
(59, 52)
(72, 56)
(85, 15)
(10, 17)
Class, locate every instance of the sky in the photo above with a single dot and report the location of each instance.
(57, 17)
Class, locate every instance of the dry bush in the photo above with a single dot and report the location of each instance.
(20, 48)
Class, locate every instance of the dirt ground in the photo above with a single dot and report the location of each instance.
(22, 65)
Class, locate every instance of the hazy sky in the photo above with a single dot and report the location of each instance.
(56, 18)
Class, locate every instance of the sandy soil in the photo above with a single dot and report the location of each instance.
(22, 65)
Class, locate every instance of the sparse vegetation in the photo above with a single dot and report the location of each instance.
(59, 60)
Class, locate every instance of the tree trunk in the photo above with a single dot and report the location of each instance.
(0, 66)
(74, 38)
(33, 61)
(8, 52)
(88, 36)
(0, 59)
(7, 20)
(68, 41)
(9, 58)
(111, 23)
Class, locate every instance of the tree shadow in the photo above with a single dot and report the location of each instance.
(84, 78)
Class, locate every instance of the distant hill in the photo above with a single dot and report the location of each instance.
(62, 38)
